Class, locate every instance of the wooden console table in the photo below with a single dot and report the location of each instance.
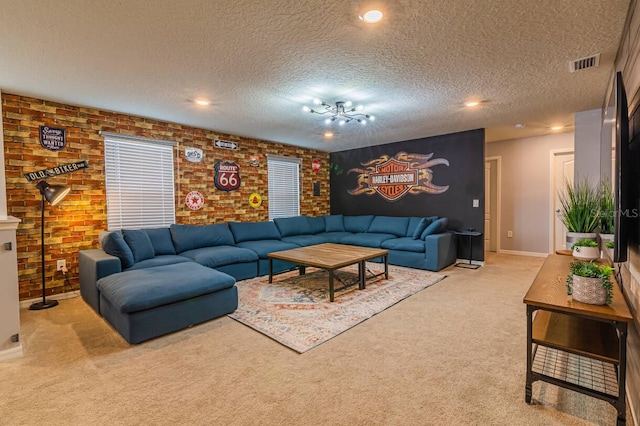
(566, 338)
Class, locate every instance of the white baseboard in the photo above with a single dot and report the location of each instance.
(61, 296)
(11, 353)
(523, 253)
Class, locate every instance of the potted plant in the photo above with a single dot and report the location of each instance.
(606, 213)
(590, 283)
(579, 207)
(585, 249)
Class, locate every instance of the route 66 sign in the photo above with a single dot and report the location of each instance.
(227, 176)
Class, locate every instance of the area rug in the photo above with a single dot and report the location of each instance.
(295, 309)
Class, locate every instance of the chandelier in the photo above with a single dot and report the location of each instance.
(342, 112)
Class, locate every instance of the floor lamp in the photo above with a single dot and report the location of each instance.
(53, 194)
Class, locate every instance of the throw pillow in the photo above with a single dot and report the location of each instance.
(140, 244)
(435, 227)
(114, 245)
(422, 225)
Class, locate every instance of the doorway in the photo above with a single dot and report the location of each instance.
(562, 167)
(492, 176)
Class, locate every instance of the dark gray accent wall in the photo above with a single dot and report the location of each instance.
(464, 176)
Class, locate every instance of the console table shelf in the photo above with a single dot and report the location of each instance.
(575, 345)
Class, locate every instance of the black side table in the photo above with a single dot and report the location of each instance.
(469, 234)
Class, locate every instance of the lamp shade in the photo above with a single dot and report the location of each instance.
(52, 193)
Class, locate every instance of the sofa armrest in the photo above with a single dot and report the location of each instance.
(93, 265)
(441, 249)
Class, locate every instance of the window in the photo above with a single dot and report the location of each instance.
(284, 186)
(139, 180)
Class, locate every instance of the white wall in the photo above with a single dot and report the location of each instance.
(588, 146)
(525, 189)
(3, 183)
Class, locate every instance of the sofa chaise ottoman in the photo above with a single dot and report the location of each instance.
(145, 303)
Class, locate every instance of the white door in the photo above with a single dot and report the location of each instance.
(487, 205)
(563, 164)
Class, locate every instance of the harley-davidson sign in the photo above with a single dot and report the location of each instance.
(227, 176)
(394, 177)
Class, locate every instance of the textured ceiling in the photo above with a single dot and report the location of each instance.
(259, 62)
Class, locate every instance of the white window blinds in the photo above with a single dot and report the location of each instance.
(139, 182)
(284, 186)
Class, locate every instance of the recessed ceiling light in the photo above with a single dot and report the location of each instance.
(556, 128)
(371, 16)
(328, 134)
(471, 104)
(202, 102)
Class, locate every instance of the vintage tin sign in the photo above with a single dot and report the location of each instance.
(60, 169)
(53, 138)
(194, 155)
(219, 143)
(194, 200)
(255, 200)
(227, 176)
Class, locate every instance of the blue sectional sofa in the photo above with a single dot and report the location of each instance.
(151, 282)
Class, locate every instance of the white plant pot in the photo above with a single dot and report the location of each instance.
(574, 237)
(588, 290)
(586, 253)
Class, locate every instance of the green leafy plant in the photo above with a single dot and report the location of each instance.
(579, 210)
(607, 207)
(584, 243)
(609, 244)
(591, 270)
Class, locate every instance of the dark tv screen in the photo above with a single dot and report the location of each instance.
(623, 173)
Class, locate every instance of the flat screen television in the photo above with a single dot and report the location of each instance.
(623, 173)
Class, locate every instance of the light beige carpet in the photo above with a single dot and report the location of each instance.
(451, 355)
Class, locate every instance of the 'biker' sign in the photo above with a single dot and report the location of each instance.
(227, 176)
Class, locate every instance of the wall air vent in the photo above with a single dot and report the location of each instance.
(584, 63)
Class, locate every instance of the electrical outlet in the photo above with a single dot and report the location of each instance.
(509, 234)
(61, 264)
(476, 203)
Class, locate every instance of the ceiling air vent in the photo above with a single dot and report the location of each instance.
(584, 63)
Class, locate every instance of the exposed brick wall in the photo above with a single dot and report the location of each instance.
(75, 224)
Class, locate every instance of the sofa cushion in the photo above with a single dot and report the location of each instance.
(140, 244)
(366, 239)
(316, 224)
(189, 237)
(161, 241)
(140, 289)
(333, 237)
(264, 247)
(288, 226)
(404, 244)
(220, 255)
(305, 240)
(254, 231)
(163, 259)
(389, 225)
(334, 223)
(435, 227)
(357, 224)
(112, 243)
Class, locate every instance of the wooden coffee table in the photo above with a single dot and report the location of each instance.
(331, 257)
